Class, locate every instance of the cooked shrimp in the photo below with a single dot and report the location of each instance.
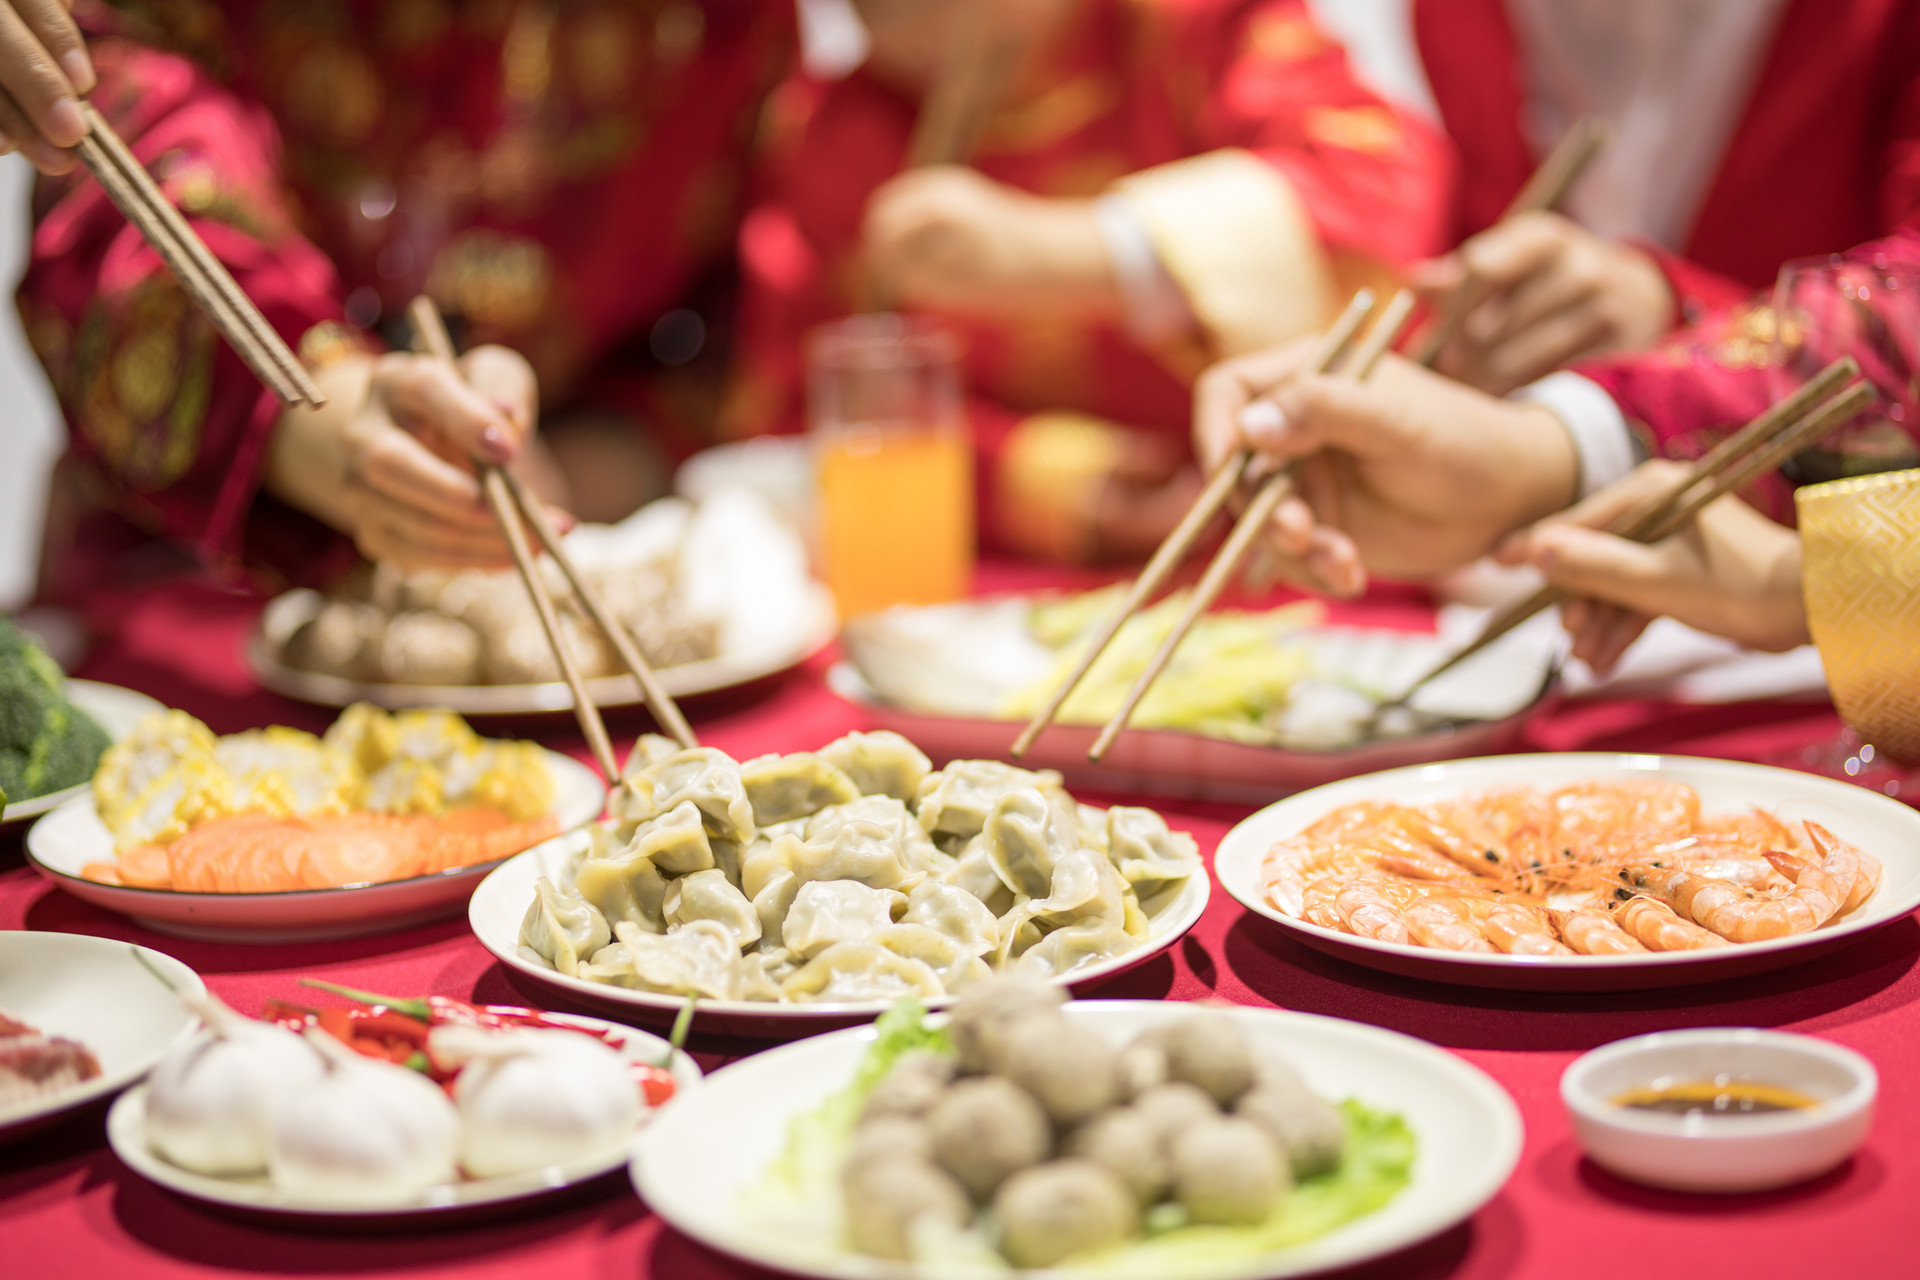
(1521, 931)
(1838, 859)
(1591, 931)
(1605, 810)
(1863, 884)
(1659, 928)
(1443, 921)
(1292, 865)
(1374, 907)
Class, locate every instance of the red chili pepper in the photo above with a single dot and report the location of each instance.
(380, 1021)
(656, 1083)
(337, 1023)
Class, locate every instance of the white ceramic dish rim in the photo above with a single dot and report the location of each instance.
(1580, 1098)
(126, 1134)
(106, 1082)
(93, 697)
(1241, 881)
(571, 771)
(1502, 1146)
(1181, 912)
(708, 675)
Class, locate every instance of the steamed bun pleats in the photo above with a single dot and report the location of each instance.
(212, 1098)
(367, 1132)
(528, 1099)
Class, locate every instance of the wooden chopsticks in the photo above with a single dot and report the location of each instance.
(510, 502)
(965, 88)
(1252, 522)
(1179, 544)
(1786, 428)
(1547, 186)
(137, 196)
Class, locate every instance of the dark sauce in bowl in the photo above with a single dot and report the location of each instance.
(1718, 1096)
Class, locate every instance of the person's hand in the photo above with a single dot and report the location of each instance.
(949, 239)
(1732, 572)
(1407, 475)
(1539, 291)
(389, 459)
(1142, 500)
(44, 69)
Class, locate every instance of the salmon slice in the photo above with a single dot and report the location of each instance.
(360, 848)
(101, 873)
(207, 858)
(144, 867)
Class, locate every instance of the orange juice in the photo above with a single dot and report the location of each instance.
(896, 514)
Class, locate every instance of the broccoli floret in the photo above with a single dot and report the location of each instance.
(75, 753)
(46, 743)
(13, 773)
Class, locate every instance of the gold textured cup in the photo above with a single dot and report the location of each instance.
(1862, 585)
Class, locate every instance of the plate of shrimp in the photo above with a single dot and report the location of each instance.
(1578, 871)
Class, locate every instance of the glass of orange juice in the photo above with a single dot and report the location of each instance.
(894, 462)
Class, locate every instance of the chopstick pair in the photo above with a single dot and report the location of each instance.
(511, 502)
(140, 199)
(1793, 424)
(965, 88)
(1545, 189)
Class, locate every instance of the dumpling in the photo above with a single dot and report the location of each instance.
(861, 971)
(773, 903)
(880, 764)
(956, 913)
(1085, 887)
(855, 850)
(918, 851)
(623, 885)
(758, 974)
(828, 911)
(957, 799)
(1026, 834)
(676, 841)
(648, 749)
(704, 777)
(1018, 934)
(956, 967)
(694, 959)
(973, 871)
(782, 788)
(561, 927)
(1143, 849)
(758, 863)
(1068, 950)
(1091, 824)
(708, 895)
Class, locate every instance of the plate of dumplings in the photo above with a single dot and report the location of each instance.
(790, 891)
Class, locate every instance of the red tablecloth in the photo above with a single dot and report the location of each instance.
(68, 1208)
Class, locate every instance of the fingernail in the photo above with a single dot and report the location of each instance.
(79, 70)
(497, 444)
(511, 412)
(64, 123)
(1262, 417)
(564, 522)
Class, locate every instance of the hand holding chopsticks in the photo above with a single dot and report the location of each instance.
(510, 503)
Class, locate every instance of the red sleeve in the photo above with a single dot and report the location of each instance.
(1375, 180)
(1710, 378)
(153, 396)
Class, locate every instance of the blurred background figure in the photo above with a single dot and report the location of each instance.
(1745, 133)
(561, 179)
(1156, 186)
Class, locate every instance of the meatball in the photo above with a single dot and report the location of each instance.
(429, 648)
(1228, 1172)
(986, 1130)
(1207, 1050)
(1170, 1109)
(342, 639)
(1054, 1210)
(1072, 1072)
(887, 1197)
(990, 1008)
(1123, 1141)
(1308, 1129)
(886, 1136)
(912, 1087)
(1143, 1064)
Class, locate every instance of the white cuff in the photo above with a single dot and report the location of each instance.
(833, 40)
(1154, 306)
(1599, 431)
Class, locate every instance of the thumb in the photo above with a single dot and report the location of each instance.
(1310, 412)
(1437, 275)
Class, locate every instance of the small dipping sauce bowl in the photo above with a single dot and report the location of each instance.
(1728, 1151)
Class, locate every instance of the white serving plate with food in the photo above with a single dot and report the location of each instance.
(66, 840)
(90, 990)
(448, 1203)
(114, 709)
(500, 904)
(697, 1164)
(1885, 828)
(727, 670)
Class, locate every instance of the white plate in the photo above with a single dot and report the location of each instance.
(479, 1198)
(91, 990)
(114, 709)
(693, 1166)
(501, 901)
(72, 836)
(284, 614)
(1888, 830)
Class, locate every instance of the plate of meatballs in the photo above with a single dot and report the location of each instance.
(1016, 1132)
